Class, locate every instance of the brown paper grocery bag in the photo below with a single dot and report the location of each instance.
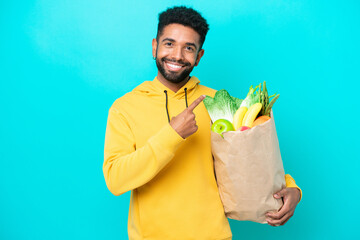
(249, 170)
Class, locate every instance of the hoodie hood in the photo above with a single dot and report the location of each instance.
(156, 89)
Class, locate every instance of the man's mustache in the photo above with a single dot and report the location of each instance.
(176, 61)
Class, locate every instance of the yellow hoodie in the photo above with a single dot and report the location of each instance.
(174, 194)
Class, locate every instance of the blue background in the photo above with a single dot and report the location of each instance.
(63, 63)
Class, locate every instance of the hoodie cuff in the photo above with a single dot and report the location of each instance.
(290, 182)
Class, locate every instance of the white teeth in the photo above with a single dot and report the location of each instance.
(174, 66)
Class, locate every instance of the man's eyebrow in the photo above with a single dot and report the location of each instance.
(168, 39)
(191, 44)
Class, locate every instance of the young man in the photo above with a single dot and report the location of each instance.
(159, 147)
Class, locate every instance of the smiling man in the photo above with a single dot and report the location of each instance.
(177, 50)
(158, 147)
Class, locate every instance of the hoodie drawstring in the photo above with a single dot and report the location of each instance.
(185, 97)
(166, 104)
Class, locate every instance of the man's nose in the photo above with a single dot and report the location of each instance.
(177, 53)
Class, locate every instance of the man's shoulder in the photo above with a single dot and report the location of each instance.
(207, 90)
(130, 96)
(119, 103)
(123, 98)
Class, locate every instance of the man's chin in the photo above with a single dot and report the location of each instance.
(174, 76)
(176, 79)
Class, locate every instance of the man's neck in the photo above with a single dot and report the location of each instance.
(172, 86)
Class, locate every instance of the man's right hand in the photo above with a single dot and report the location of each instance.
(184, 123)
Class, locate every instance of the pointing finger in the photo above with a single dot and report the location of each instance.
(196, 103)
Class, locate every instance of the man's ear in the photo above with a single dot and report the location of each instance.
(154, 47)
(199, 56)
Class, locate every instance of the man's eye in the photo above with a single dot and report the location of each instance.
(191, 49)
(168, 44)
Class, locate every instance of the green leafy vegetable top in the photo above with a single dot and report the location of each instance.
(251, 98)
(261, 96)
(222, 106)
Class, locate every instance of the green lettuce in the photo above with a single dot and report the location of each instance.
(222, 106)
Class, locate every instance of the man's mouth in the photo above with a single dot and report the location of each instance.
(173, 66)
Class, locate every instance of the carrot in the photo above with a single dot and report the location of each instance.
(260, 120)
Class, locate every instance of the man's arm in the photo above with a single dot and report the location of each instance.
(126, 168)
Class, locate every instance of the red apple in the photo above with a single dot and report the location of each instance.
(243, 128)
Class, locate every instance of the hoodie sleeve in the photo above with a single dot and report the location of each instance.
(290, 182)
(125, 167)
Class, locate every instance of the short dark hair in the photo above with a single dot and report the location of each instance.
(185, 16)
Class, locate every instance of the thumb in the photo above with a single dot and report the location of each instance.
(280, 194)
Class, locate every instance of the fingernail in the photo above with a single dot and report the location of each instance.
(276, 195)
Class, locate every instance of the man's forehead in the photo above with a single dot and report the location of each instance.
(179, 32)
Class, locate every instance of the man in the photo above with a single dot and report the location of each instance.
(159, 147)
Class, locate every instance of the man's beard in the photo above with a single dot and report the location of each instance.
(174, 77)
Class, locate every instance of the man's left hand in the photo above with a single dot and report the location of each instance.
(291, 197)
